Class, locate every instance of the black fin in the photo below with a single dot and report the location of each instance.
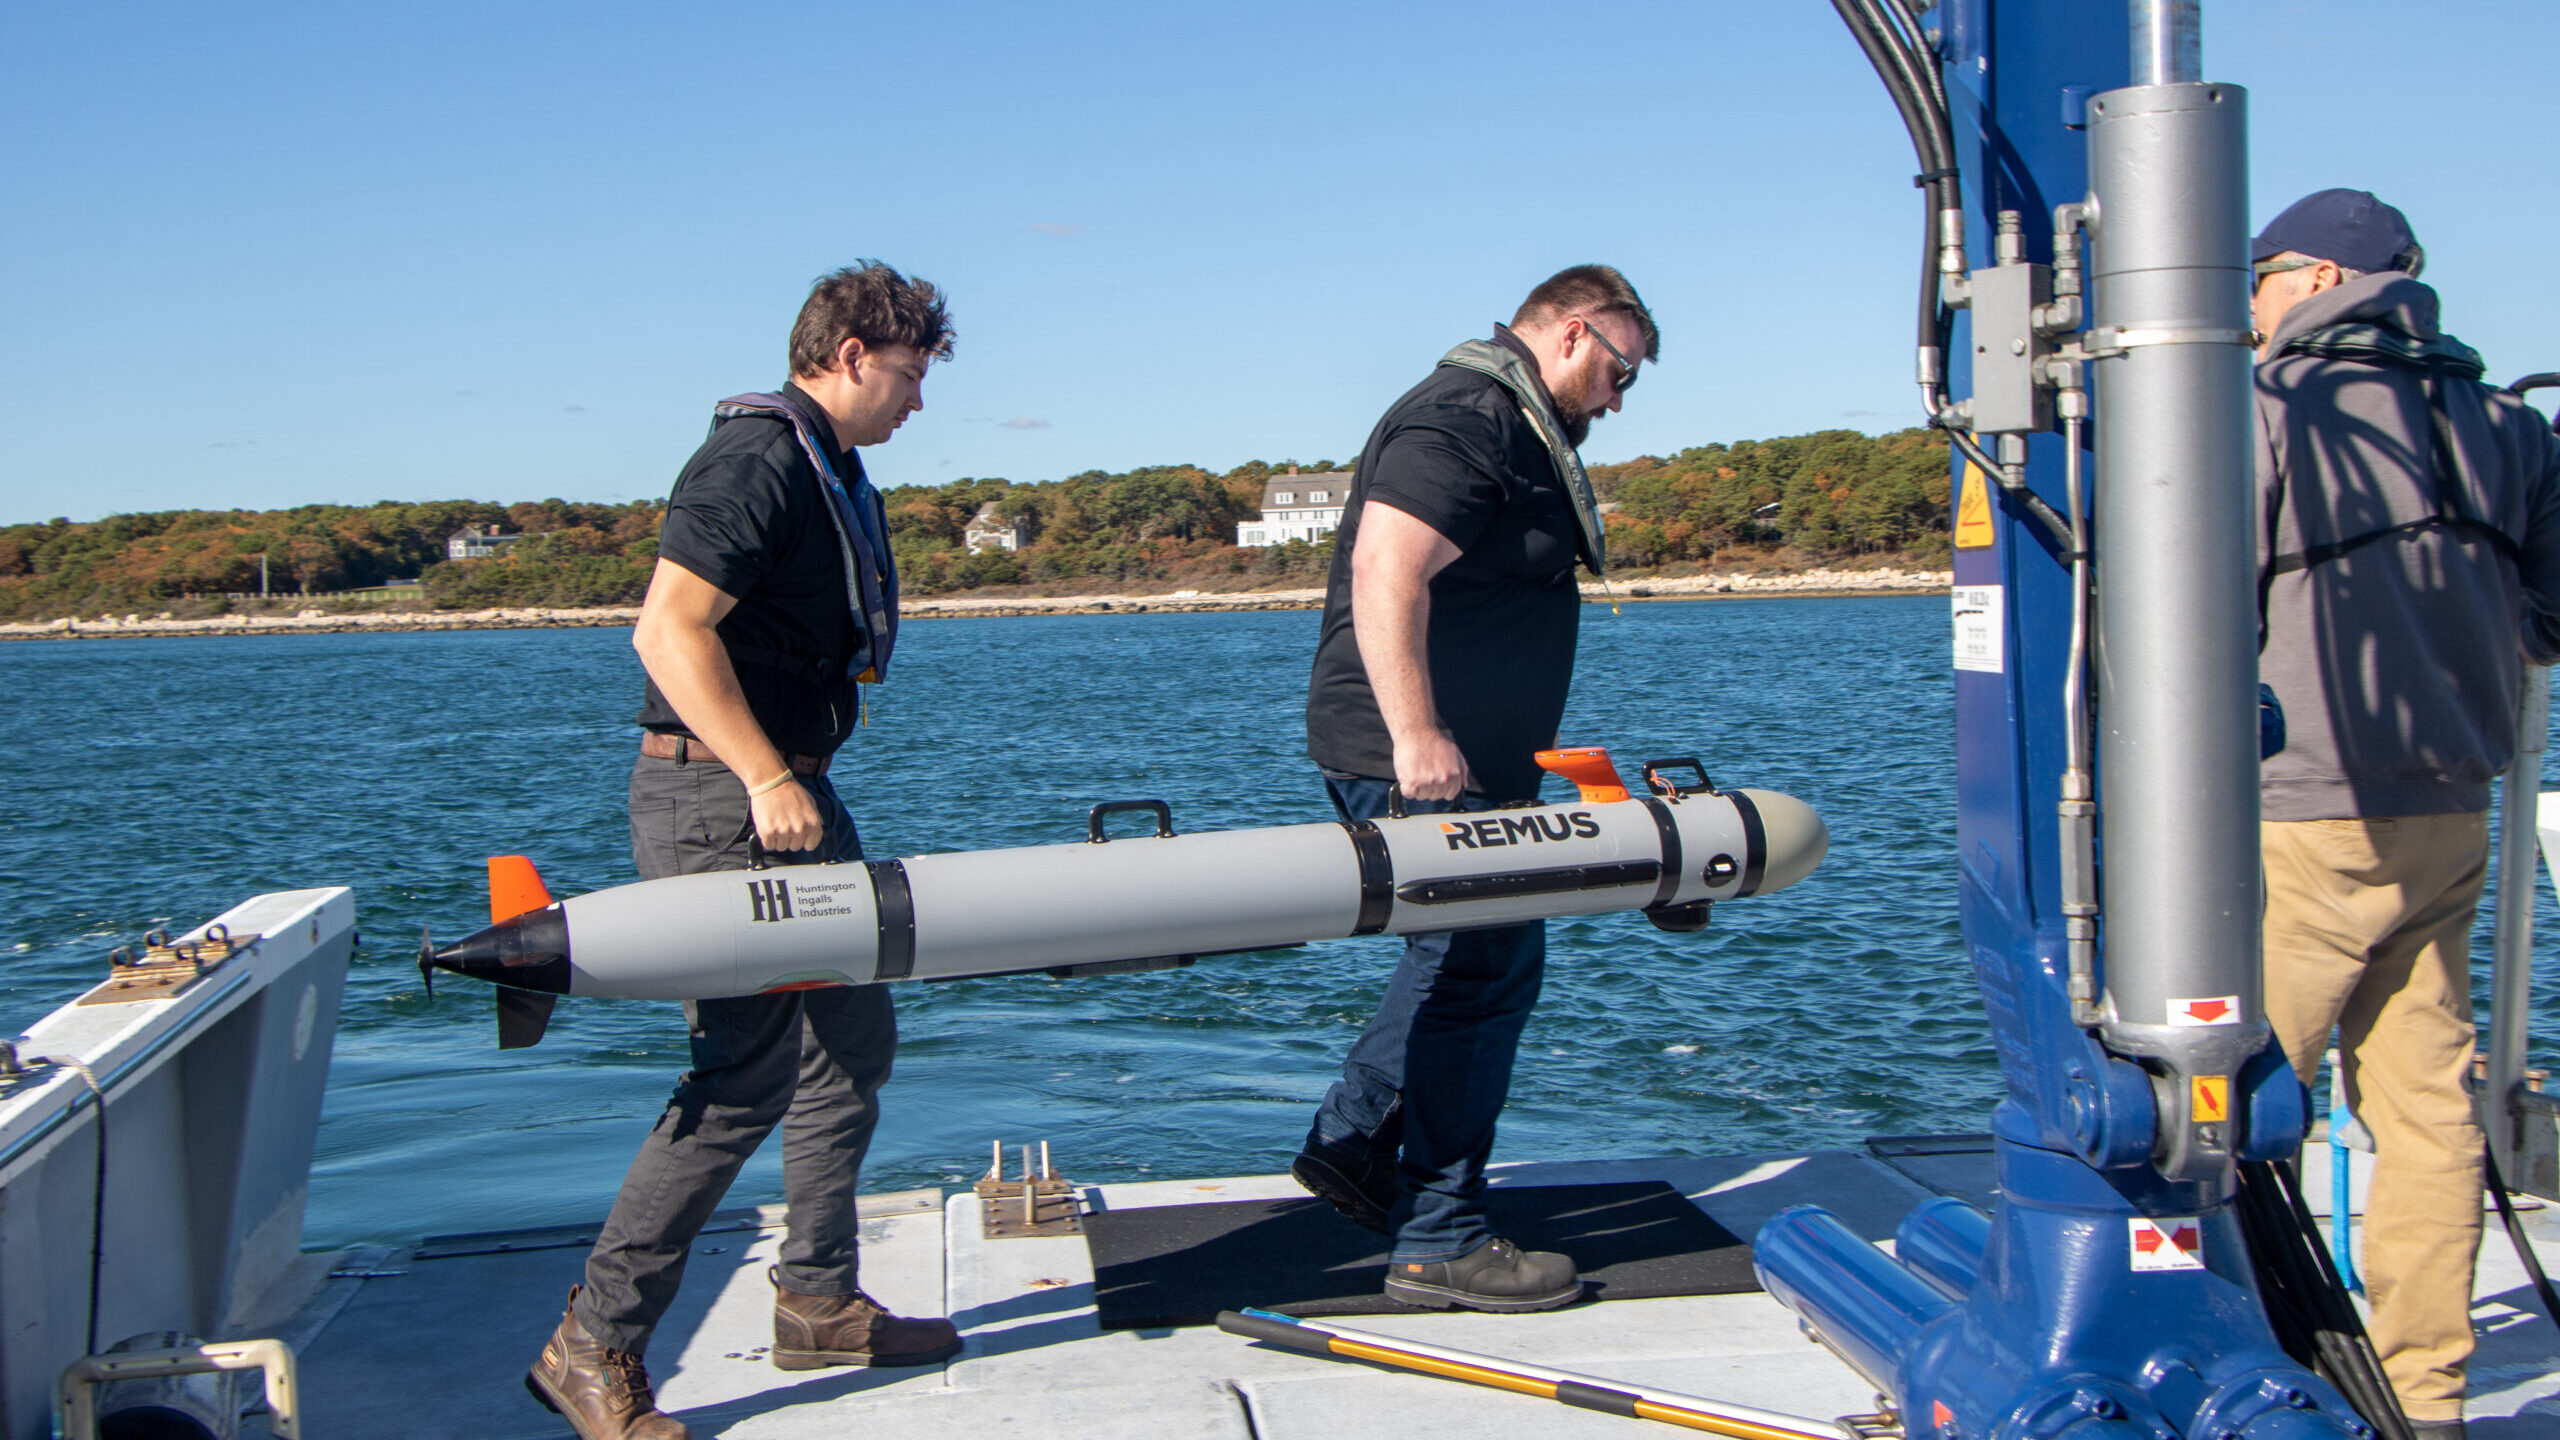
(427, 961)
(522, 1017)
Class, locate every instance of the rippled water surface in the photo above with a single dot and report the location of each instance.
(160, 781)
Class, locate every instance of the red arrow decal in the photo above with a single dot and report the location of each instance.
(2187, 1238)
(2147, 1239)
(2208, 1010)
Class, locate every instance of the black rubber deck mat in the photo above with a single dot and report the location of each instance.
(1182, 1264)
(1965, 1166)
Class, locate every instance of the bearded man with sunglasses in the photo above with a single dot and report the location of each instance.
(1441, 671)
(2409, 564)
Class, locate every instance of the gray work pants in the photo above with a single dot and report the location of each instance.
(812, 1060)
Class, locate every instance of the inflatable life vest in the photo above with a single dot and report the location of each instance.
(1505, 365)
(862, 535)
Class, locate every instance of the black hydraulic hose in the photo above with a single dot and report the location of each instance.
(2046, 521)
(1922, 105)
(1915, 73)
(1889, 32)
(2515, 1228)
(1915, 39)
(1911, 78)
(1892, 68)
(2306, 1303)
(1934, 322)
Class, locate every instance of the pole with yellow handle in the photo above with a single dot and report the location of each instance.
(1739, 1422)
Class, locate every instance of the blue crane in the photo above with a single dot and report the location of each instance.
(2084, 339)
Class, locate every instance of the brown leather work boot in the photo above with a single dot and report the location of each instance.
(603, 1394)
(814, 1331)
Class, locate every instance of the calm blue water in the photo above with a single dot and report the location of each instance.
(160, 781)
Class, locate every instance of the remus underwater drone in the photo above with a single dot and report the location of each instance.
(1146, 903)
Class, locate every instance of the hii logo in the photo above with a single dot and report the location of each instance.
(771, 898)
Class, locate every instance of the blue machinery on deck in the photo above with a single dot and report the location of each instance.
(2109, 1293)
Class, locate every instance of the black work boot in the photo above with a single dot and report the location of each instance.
(1361, 1186)
(811, 1332)
(603, 1394)
(1496, 1275)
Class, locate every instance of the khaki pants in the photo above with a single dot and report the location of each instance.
(2368, 929)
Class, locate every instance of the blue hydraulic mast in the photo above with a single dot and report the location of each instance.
(2092, 242)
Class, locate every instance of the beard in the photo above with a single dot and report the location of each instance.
(1577, 424)
(1577, 418)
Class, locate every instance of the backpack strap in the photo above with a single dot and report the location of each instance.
(2444, 497)
(819, 668)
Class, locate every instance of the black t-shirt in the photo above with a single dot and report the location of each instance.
(1456, 454)
(750, 515)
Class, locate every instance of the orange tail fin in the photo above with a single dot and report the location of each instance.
(1587, 766)
(514, 887)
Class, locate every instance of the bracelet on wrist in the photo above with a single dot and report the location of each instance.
(769, 786)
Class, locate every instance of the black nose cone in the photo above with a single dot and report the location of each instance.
(529, 952)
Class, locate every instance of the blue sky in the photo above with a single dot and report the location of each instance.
(267, 255)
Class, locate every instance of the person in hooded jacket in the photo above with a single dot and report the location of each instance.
(2409, 568)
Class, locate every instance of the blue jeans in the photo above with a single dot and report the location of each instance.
(1428, 1078)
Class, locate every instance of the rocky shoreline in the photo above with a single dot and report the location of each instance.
(1803, 584)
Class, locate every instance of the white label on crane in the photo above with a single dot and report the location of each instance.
(2166, 1244)
(2206, 1010)
(1978, 628)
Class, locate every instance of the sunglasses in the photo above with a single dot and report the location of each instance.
(2260, 270)
(1626, 380)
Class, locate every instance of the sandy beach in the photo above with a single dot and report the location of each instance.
(315, 622)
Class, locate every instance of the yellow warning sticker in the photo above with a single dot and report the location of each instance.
(2210, 1097)
(1973, 510)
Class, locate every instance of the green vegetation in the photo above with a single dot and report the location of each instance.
(1827, 495)
(1799, 499)
(602, 555)
(189, 560)
(1164, 523)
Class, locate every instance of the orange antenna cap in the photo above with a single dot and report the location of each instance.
(515, 887)
(1587, 766)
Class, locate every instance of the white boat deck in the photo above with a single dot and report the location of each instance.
(432, 1341)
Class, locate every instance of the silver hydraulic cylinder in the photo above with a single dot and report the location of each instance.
(2176, 610)
(2168, 41)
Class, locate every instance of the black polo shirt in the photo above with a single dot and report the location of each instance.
(750, 515)
(1456, 454)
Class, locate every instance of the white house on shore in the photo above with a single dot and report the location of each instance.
(477, 542)
(1297, 507)
(991, 531)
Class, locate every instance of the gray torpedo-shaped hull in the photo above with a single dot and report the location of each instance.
(1137, 903)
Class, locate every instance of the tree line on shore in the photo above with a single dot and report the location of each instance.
(1820, 497)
